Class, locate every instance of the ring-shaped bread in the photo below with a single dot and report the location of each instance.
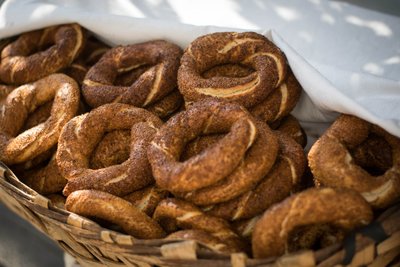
(16, 147)
(250, 49)
(39, 53)
(278, 184)
(256, 163)
(102, 205)
(160, 60)
(113, 148)
(332, 163)
(80, 137)
(215, 163)
(341, 208)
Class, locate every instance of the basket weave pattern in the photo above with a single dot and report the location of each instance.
(93, 245)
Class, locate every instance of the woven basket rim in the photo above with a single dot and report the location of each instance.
(89, 230)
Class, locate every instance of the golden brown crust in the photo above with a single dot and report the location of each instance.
(227, 70)
(40, 115)
(166, 106)
(274, 187)
(147, 199)
(333, 165)
(156, 82)
(17, 148)
(342, 208)
(255, 164)
(280, 102)
(92, 203)
(216, 162)
(173, 213)
(290, 125)
(80, 137)
(113, 149)
(19, 65)
(249, 49)
(199, 144)
(163, 107)
(46, 179)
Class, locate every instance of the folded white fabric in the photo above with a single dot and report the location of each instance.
(328, 89)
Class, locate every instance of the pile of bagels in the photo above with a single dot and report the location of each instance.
(159, 142)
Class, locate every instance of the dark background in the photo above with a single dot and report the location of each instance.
(22, 245)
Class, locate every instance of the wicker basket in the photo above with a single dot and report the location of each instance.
(93, 245)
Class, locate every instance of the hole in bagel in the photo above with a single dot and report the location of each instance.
(229, 70)
(198, 145)
(314, 237)
(39, 115)
(374, 155)
(113, 149)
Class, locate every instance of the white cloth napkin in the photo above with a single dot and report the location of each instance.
(328, 90)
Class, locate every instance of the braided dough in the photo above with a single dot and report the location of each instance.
(20, 63)
(217, 162)
(161, 60)
(341, 208)
(80, 137)
(16, 147)
(333, 165)
(101, 205)
(249, 49)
